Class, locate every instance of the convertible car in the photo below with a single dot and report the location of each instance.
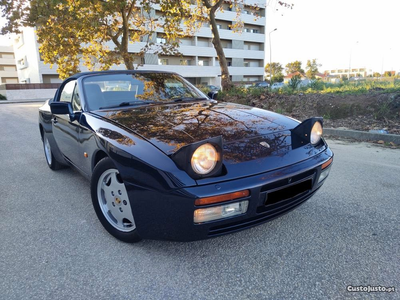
(166, 161)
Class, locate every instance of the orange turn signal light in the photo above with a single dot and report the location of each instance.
(327, 163)
(222, 198)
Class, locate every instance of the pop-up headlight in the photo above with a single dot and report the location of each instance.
(309, 131)
(201, 159)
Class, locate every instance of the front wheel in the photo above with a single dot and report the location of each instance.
(111, 202)
(48, 153)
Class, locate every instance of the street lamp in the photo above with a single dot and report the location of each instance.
(270, 73)
(351, 51)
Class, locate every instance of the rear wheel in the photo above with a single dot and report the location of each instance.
(51, 161)
(111, 202)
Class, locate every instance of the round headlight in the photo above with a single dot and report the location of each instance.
(204, 159)
(316, 133)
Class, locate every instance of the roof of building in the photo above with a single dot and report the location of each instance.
(289, 76)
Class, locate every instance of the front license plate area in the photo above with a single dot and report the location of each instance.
(288, 192)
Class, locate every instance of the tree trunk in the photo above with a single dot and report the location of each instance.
(127, 57)
(226, 82)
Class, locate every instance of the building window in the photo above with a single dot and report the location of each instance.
(203, 63)
(161, 40)
(185, 62)
(203, 42)
(246, 64)
(7, 55)
(163, 61)
(8, 68)
(9, 80)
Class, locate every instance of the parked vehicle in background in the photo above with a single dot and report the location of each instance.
(261, 84)
(213, 87)
(257, 85)
(277, 85)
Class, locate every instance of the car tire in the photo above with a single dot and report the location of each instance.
(111, 202)
(48, 153)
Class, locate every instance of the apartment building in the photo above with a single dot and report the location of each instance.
(354, 72)
(198, 62)
(8, 69)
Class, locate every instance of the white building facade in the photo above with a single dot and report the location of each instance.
(8, 69)
(198, 62)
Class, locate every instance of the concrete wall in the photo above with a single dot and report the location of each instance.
(28, 91)
(28, 94)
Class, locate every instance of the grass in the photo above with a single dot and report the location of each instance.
(348, 88)
(316, 87)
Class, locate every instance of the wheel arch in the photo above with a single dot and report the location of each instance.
(41, 130)
(100, 154)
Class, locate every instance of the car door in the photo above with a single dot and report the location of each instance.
(65, 130)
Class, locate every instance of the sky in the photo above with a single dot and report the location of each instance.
(338, 33)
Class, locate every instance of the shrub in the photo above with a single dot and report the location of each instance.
(294, 82)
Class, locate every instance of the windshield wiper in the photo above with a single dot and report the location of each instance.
(188, 98)
(127, 104)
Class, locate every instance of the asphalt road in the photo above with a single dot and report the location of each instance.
(53, 247)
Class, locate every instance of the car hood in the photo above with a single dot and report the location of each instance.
(170, 127)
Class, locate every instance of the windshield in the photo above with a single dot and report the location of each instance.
(115, 90)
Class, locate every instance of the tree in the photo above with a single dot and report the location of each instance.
(387, 74)
(376, 74)
(312, 68)
(212, 8)
(294, 67)
(89, 26)
(276, 71)
(97, 32)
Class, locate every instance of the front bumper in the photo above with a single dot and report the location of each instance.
(169, 216)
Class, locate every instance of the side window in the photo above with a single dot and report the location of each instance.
(76, 100)
(66, 94)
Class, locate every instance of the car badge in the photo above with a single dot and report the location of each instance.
(265, 144)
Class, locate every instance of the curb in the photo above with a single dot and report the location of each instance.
(363, 135)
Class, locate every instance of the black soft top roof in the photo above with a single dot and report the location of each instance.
(77, 75)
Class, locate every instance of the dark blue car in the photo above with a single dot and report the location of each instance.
(167, 162)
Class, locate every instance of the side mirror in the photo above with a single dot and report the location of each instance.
(62, 108)
(213, 94)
